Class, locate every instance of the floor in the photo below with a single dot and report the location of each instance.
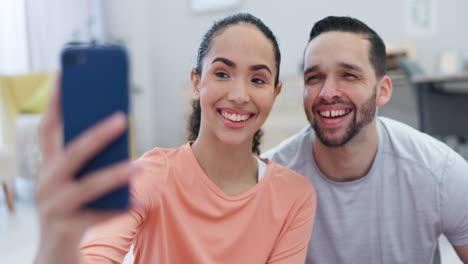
(19, 231)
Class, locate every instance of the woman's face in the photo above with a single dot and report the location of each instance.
(236, 87)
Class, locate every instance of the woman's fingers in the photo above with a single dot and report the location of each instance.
(88, 144)
(51, 139)
(96, 184)
(67, 201)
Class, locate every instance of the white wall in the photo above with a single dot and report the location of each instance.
(164, 36)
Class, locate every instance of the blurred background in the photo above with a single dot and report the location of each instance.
(427, 53)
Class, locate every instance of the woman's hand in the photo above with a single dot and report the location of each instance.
(60, 198)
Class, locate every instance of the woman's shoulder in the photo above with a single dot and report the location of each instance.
(160, 157)
(288, 180)
(154, 175)
(155, 166)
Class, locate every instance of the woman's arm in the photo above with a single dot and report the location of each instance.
(60, 198)
(110, 241)
(293, 243)
(462, 252)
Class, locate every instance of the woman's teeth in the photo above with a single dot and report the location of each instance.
(235, 117)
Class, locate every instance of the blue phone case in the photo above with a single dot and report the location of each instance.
(95, 85)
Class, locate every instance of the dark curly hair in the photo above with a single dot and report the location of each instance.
(205, 45)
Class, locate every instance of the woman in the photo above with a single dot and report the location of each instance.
(210, 201)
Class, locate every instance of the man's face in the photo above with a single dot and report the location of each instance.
(340, 86)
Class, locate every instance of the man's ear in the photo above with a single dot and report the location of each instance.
(195, 78)
(384, 91)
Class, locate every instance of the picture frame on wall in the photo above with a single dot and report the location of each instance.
(203, 6)
(421, 17)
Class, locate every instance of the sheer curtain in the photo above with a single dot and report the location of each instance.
(32, 32)
(51, 24)
(13, 37)
(13, 50)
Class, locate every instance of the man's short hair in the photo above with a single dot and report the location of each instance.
(377, 53)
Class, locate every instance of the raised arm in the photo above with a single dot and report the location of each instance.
(60, 198)
(110, 241)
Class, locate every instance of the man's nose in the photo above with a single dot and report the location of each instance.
(329, 89)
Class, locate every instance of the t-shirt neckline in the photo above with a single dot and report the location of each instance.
(215, 188)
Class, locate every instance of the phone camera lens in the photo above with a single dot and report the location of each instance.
(81, 58)
(69, 58)
(74, 58)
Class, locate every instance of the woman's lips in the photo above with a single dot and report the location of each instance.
(234, 118)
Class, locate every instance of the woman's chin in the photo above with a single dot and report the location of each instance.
(234, 140)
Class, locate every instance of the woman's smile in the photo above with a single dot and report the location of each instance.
(235, 118)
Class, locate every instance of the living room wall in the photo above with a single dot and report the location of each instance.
(163, 37)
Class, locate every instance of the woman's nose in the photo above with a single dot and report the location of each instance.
(239, 93)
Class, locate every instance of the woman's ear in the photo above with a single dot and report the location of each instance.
(384, 91)
(278, 88)
(195, 78)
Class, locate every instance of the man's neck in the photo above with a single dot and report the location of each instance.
(351, 161)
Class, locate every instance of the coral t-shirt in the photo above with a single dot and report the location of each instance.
(183, 217)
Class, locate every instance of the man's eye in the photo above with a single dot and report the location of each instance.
(221, 75)
(313, 78)
(349, 76)
(258, 81)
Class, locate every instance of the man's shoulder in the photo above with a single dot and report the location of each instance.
(412, 146)
(291, 150)
(405, 138)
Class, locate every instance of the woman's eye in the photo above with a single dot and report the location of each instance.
(258, 81)
(221, 75)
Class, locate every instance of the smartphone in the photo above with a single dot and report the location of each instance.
(94, 85)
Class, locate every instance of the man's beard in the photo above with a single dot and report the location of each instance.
(367, 112)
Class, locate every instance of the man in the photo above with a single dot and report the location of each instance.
(385, 191)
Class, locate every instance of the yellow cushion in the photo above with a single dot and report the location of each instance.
(8, 97)
(36, 102)
(29, 92)
(7, 115)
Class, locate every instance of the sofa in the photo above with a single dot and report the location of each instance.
(23, 99)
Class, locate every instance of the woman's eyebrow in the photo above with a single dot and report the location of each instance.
(233, 65)
(225, 61)
(260, 67)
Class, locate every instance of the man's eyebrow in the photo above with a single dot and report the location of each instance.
(225, 61)
(260, 67)
(311, 69)
(341, 64)
(350, 66)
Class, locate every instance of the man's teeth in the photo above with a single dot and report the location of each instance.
(235, 117)
(334, 113)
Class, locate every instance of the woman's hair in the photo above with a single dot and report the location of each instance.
(216, 29)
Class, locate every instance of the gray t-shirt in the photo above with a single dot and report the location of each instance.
(416, 190)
